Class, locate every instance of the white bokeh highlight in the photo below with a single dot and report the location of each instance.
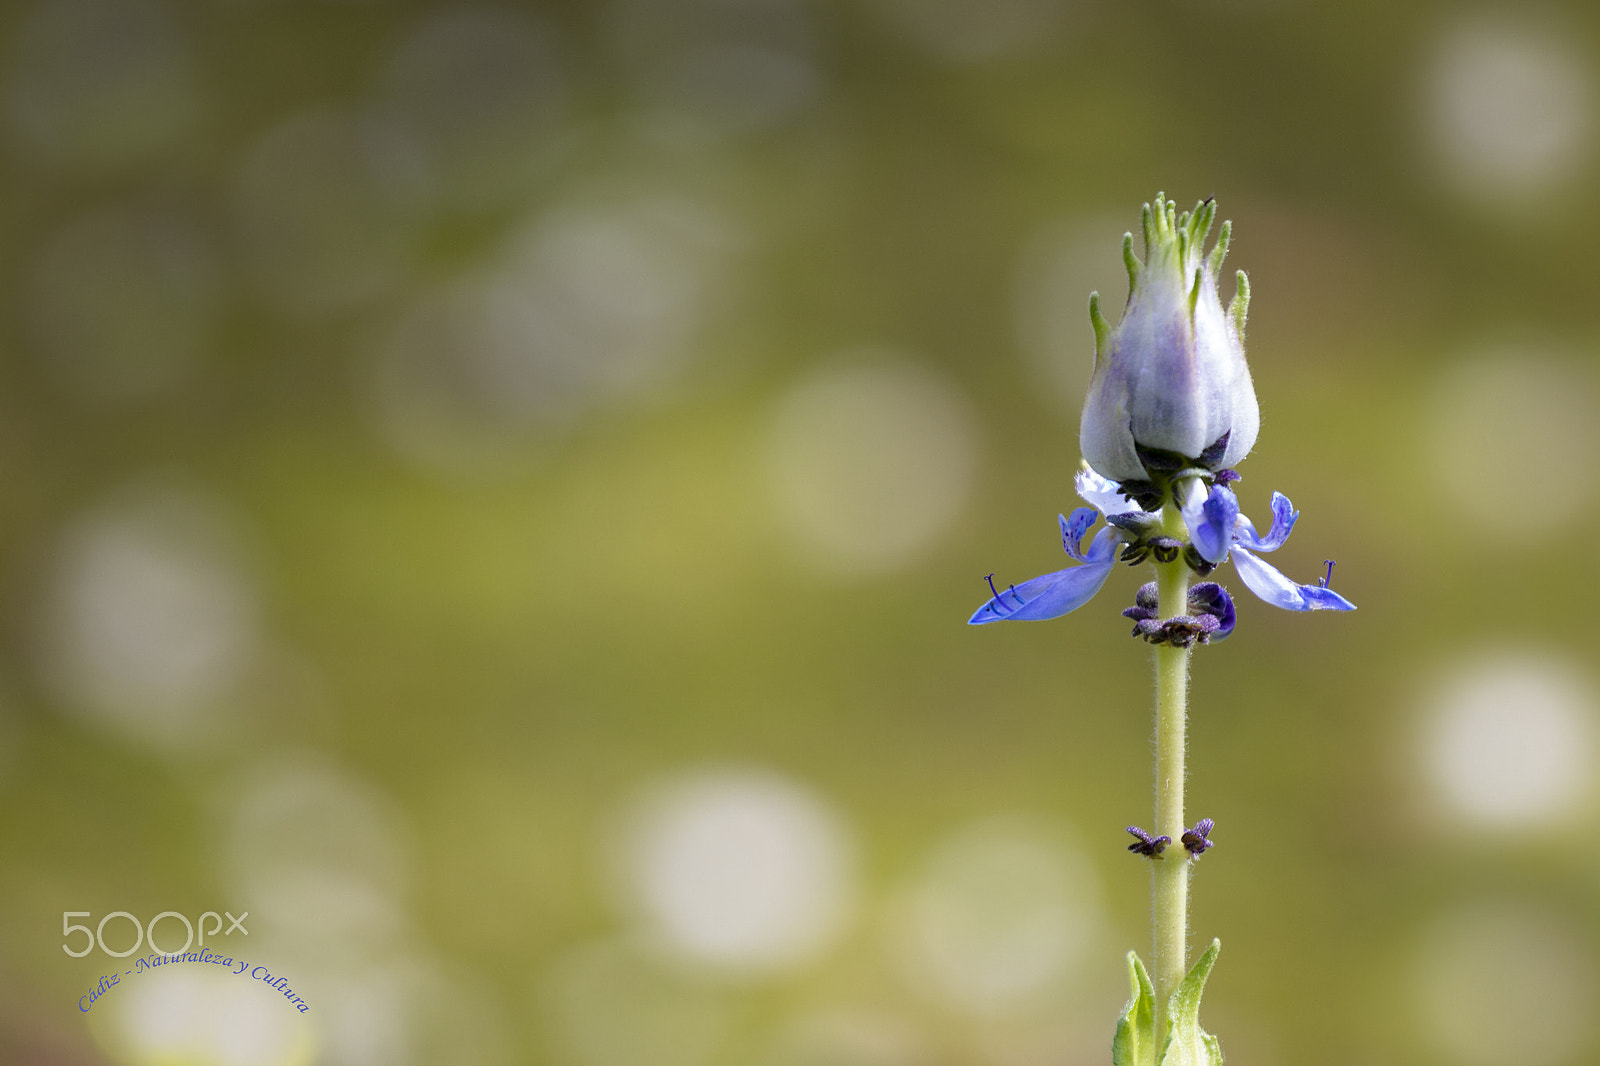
(1002, 912)
(595, 302)
(1521, 416)
(200, 1013)
(1510, 107)
(150, 617)
(737, 868)
(1496, 983)
(872, 460)
(1509, 740)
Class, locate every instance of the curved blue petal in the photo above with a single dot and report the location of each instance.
(1073, 529)
(1267, 582)
(1325, 599)
(1053, 595)
(1103, 493)
(1210, 518)
(1283, 519)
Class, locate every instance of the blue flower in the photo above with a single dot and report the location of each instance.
(1216, 527)
(1053, 595)
(1217, 530)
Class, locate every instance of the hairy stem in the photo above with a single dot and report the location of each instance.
(1169, 889)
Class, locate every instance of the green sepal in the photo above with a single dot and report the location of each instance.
(1239, 306)
(1219, 251)
(1187, 1044)
(1131, 261)
(1135, 1042)
(1102, 328)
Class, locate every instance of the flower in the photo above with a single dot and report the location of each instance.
(1217, 530)
(1216, 526)
(1053, 595)
(1171, 388)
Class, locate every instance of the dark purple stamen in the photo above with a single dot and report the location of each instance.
(1327, 581)
(1146, 844)
(998, 605)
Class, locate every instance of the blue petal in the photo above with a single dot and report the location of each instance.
(1283, 519)
(1073, 529)
(1268, 582)
(1103, 493)
(1323, 599)
(1210, 518)
(1053, 595)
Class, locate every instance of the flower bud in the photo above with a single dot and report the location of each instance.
(1171, 377)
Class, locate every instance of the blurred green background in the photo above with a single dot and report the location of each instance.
(494, 491)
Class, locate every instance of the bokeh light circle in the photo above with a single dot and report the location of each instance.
(1002, 911)
(738, 868)
(1509, 740)
(872, 460)
(151, 616)
(201, 1013)
(1510, 108)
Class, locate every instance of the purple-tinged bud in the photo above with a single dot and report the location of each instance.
(1146, 844)
(1171, 377)
(1195, 841)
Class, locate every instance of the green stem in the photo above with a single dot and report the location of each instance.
(1169, 888)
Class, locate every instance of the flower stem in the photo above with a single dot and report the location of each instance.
(1169, 888)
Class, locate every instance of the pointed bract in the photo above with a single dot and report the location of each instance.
(1135, 1042)
(1187, 1044)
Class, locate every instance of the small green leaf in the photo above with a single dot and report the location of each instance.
(1188, 1044)
(1135, 1042)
